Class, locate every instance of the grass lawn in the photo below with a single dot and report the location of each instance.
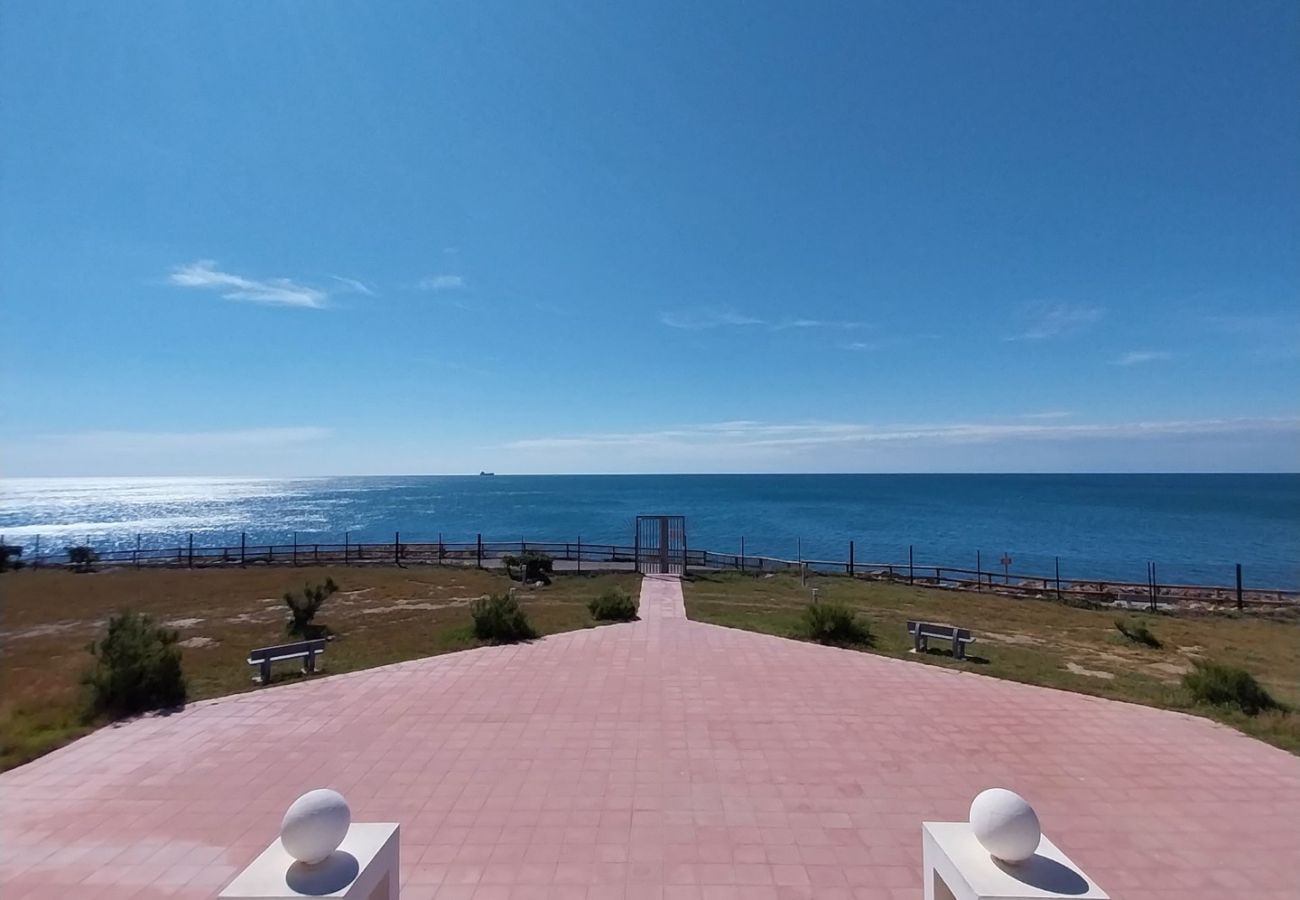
(1036, 641)
(380, 615)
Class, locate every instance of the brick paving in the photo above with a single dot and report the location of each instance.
(660, 759)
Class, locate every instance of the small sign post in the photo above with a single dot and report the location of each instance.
(1006, 568)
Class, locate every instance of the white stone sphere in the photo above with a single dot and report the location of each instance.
(314, 825)
(1005, 824)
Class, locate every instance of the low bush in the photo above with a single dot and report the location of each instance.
(1138, 633)
(827, 622)
(137, 667)
(612, 605)
(1220, 685)
(535, 566)
(9, 557)
(499, 619)
(82, 559)
(303, 607)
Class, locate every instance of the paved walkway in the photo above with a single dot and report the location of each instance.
(660, 759)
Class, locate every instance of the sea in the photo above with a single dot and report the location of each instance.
(1195, 528)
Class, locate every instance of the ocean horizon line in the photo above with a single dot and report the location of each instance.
(694, 474)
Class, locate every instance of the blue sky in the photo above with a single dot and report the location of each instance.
(321, 237)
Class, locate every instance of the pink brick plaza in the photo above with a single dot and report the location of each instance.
(659, 759)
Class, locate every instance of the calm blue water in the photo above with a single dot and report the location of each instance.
(1103, 526)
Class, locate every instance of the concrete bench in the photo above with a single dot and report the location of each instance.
(305, 650)
(921, 633)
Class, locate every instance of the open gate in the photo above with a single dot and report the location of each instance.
(661, 545)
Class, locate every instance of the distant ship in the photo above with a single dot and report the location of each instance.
(487, 473)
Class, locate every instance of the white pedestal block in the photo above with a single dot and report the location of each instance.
(957, 867)
(364, 867)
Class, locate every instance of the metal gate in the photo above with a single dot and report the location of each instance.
(661, 545)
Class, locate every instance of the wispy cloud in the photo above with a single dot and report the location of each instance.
(355, 286)
(698, 320)
(1138, 357)
(453, 366)
(1254, 323)
(240, 437)
(1047, 414)
(713, 317)
(182, 441)
(1270, 336)
(157, 453)
(883, 341)
(442, 283)
(817, 323)
(1041, 321)
(274, 291)
(748, 434)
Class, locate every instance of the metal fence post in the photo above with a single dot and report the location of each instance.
(911, 566)
(742, 553)
(243, 546)
(979, 572)
(579, 554)
(347, 539)
(36, 554)
(1240, 603)
(135, 556)
(851, 566)
(1058, 578)
(295, 548)
(478, 551)
(191, 558)
(397, 548)
(686, 553)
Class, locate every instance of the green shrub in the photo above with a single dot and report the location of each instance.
(1138, 633)
(613, 605)
(137, 667)
(827, 622)
(1081, 601)
(9, 557)
(499, 619)
(303, 607)
(1211, 682)
(535, 566)
(82, 558)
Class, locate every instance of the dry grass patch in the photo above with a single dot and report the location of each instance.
(1036, 641)
(380, 615)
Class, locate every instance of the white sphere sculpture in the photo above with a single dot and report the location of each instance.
(1005, 824)
(314, 825)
